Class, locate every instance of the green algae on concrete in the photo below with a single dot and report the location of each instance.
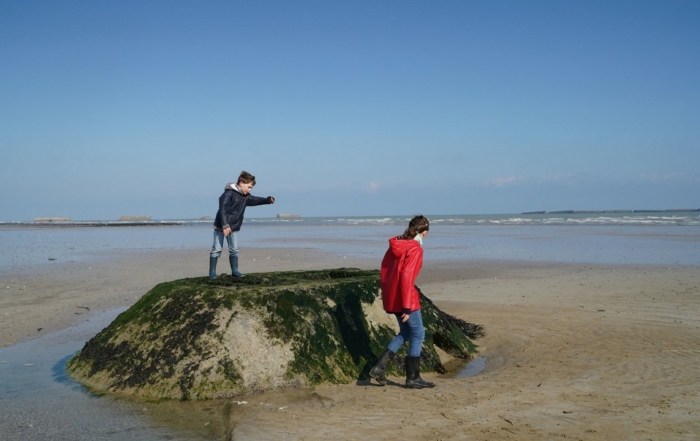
(208, 338)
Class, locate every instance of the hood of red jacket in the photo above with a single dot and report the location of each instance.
(399, 246)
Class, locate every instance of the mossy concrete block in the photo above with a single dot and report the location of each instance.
(205, 338)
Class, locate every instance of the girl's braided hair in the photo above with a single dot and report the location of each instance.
(417, 225)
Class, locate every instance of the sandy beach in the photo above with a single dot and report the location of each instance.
(572, 351)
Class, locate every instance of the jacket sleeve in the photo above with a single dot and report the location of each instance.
(409, 272)
(255, 200)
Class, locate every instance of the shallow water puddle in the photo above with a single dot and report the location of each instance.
(40, 401)
(474, 367)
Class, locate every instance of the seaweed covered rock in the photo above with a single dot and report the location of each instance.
(207, 338)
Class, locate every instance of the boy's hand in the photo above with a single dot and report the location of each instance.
(270, 199)
(227, 231)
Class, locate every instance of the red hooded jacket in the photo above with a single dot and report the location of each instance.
(400, 267)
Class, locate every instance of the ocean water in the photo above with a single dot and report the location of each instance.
(657, 238)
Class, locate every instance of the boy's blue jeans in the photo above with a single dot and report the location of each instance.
(413, 331)
(218, 245)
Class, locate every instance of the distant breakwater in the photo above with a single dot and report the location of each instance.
(74, 224)
(672, 210)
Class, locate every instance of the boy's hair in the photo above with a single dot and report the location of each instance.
(246, 178)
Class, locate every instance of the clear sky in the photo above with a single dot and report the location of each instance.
(122, 107)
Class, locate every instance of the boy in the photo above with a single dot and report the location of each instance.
(229, 218)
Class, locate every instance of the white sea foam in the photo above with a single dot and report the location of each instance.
(638, 218)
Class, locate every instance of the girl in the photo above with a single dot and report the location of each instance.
(400, 267)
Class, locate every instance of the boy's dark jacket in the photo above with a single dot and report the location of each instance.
(232, 207)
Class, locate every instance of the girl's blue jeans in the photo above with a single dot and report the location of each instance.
(412, 331)
(218, 245)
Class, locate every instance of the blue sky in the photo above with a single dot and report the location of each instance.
(113, 108)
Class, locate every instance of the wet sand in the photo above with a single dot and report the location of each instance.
(572, 351)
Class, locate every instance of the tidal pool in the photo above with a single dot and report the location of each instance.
(474, 367)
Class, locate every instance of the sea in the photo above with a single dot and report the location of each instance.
(656, 238)
(40, 402)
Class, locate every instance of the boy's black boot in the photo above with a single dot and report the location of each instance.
(234, 266)
(378, 371)
(413, 379)
(212, 267)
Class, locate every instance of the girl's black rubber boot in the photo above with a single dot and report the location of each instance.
(413, 379)
(378, 371)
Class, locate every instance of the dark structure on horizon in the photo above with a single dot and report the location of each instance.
(677, 210)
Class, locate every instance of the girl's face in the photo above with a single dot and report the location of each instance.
(424, 233)
(245, 188)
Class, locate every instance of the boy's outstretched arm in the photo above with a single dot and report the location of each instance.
(256, 200)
